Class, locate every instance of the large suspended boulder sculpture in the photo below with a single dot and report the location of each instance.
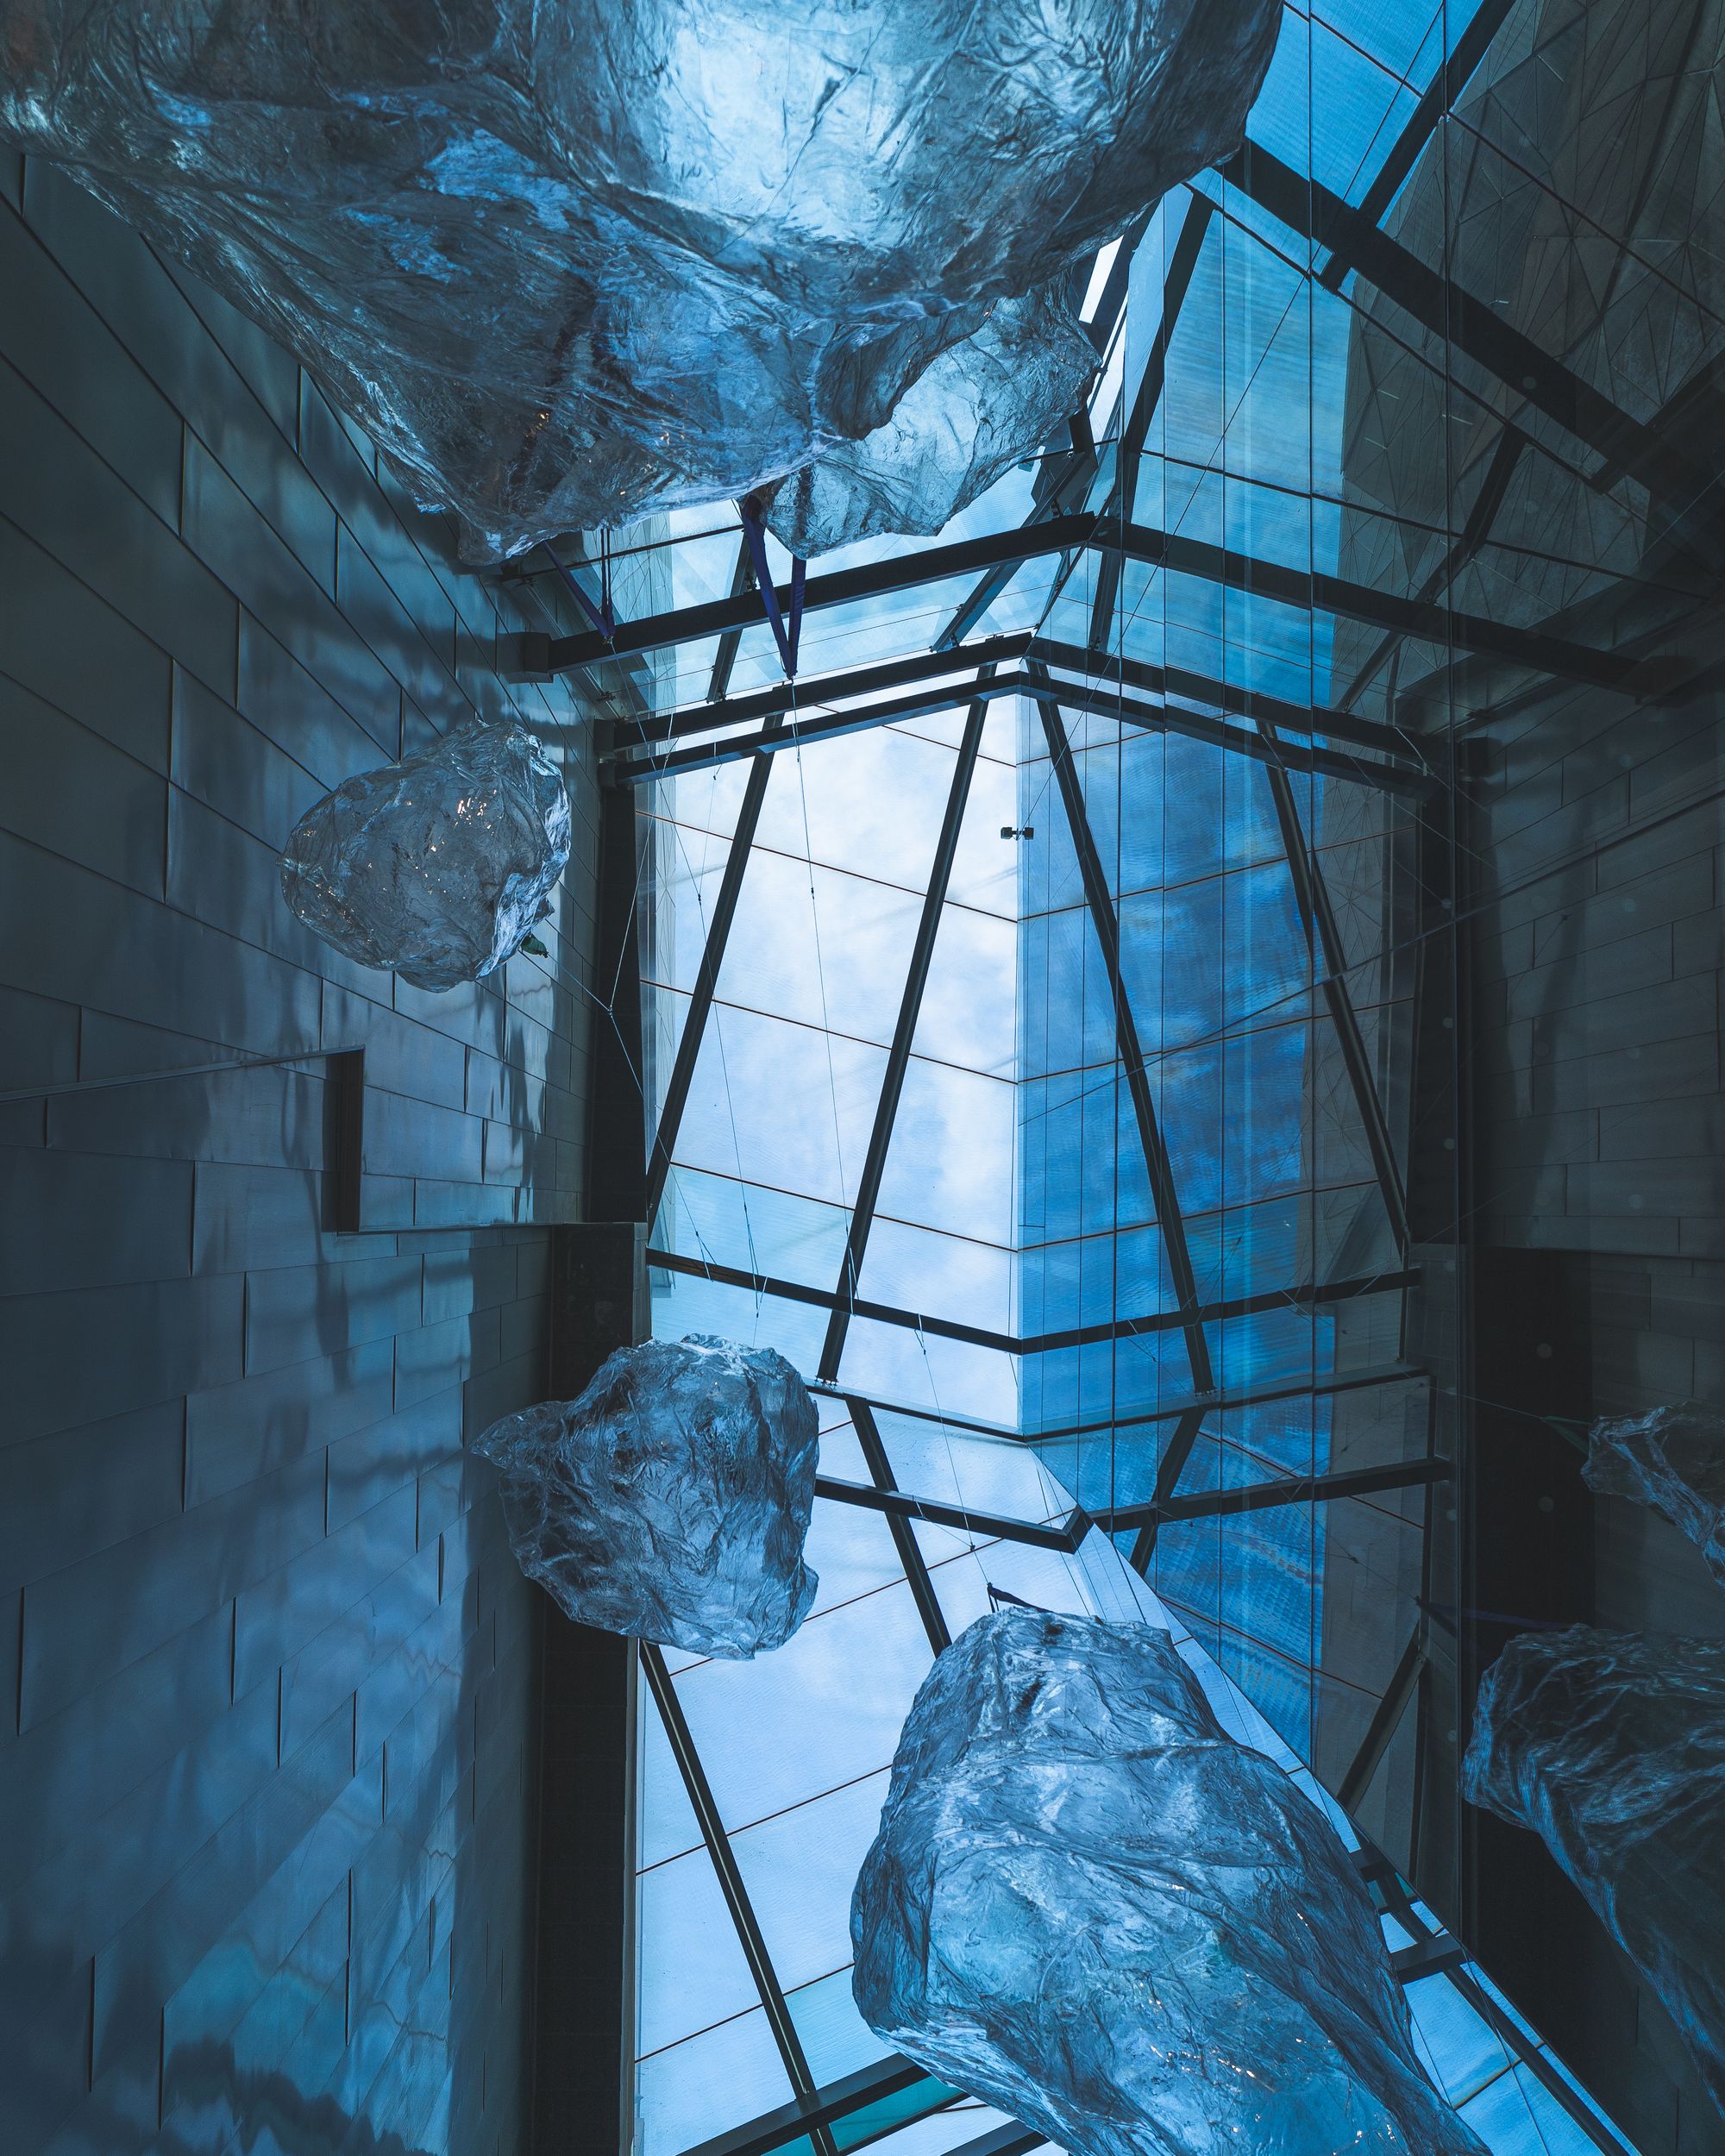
(1672, 1459)
(672, 1499)
(1089, 1905)
(572, 265)
(1610, 1746)
(436, 868)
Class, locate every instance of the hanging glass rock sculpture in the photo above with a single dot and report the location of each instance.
(671, 1500)
(571, 265)
(1672, 1459)
(1089, 1905)
(436, 868)
(1611, 1747)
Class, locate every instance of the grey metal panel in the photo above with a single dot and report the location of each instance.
(238, 1433)
(196, 1659)
(38, 1040)
(93, 1223)
(112, 821)
(279, 1611)
(64, 643)
(412, 1138)
(289, 704)
(56, 489)
(64, 1498)
(417, 653)
(232, 766)
(138, 959)
(52, 334)
(78, 1357)
(401, 1057)
(302, 1311)
(439, 1355)
(83, 1624)
(267, 578)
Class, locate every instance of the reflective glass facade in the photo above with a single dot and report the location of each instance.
(1053, 1014)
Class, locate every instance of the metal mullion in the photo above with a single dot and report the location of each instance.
(805, 733)
(1183, 261)
(1438, 305)
(899, 1056)
(730, 1884)
(706, 980)
(898, 1504)
(1363, 1378)
(807, 694)
(1107, 926)
(790, 2122)
(903, 1534)
(1169, 1470)
(1323, 940)
(741, 580)
(1523, 2044)
(1445, 86)
(1386, 1720)
(1104, 699)
(1295, 1489)
(1121, 671)
(1301, 1295)
(1306, 590)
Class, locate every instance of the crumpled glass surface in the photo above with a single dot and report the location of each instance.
(672, 1499)
(1611, 1747)
(435, 867)
(571, 265)
(1672, 1459)
(1089, 1905)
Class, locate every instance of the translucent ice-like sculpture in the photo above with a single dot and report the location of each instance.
(671, 1500)
(1089, 1905)
(437, 867)
(1674, 1460)
(571, 264)
(1611, 1747)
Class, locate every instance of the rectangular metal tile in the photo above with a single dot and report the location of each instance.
(66, 1497)
(113, 820)
(83, 1624)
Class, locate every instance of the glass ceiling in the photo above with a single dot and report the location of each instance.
(1032, 1057)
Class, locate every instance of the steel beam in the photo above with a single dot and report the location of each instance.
(742, 579)
(706, 980)
(1104, 699)
(805, 693)
(1169, 1470)
(1091, 664)
(1295, 1489)
(1451, 79)
(730, 1885)
(899, 1505)
(1304, 589)
(1106, 923)
(1305, 1295)
(1294, 1386)
(1182, 263)
(904, 1032)
(793, 2121)
(1471, 325)
(1386, 1720)
(1323, 941)
(898, 1523)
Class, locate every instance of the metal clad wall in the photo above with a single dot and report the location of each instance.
(265, 1658)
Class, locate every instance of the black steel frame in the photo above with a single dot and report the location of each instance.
(1060, 525)
(1310, 591)
(904, 1032)
(1105, 922)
